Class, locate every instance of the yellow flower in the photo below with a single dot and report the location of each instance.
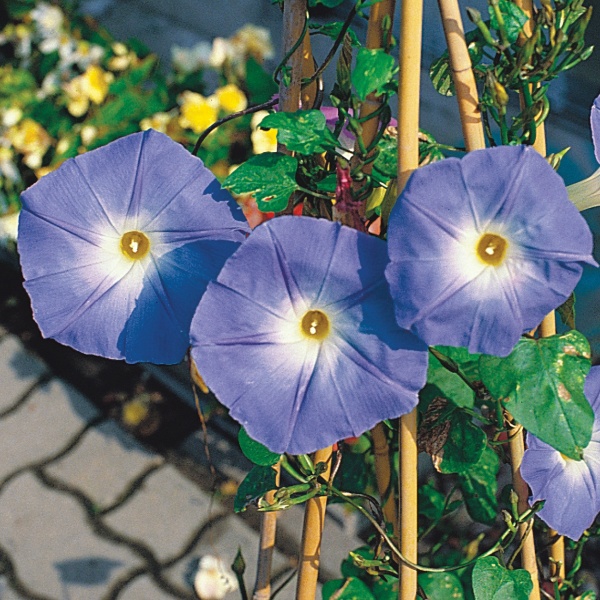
(253, 41)
(262, 141)
(39, 173)
(88, 134)
(91, 86)
(158, 121)
(30, 139)
(123, 57)
(197, 112)
(231, 99)
(96, 83)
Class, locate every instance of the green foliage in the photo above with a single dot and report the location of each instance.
(131, 100)
(333, 30)
(374, 70)
(464, 446)
(356, 471)
(440, 71)
(270, 177)
(541, 384)
(259, 481)
(327, 3)
(491, 581)
(350, 588)
(448, 384)
(506, 62)
(304, 131)
(259, 83)
(479, 486)
(566, 311)
(432, 503)
(255, 451)
(386, 162)
(441, 586)
(385, 588)
(466, 363)
(18, 87)
(513, 18)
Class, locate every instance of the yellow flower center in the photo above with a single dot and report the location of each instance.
(491, 249)
(315, 325)
(135, 245)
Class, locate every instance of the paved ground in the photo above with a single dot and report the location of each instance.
(87, 512)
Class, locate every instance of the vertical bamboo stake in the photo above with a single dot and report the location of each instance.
(411, 25)
(557, 549)
(314, 520)
(375, 39)
(308, 93)
(268, 530)
(466, 91)
(383, 474)
(528, 559)
(411, 31)
(294, 14)
(462, 74)
(548, 325)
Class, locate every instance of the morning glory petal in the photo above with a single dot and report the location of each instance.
(595, 123)
(482, 248)
(118, 245)
(301, 319)
(566, 485)
(570, 488)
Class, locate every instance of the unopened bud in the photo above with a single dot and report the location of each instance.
(500, 94)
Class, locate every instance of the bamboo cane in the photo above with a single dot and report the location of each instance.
(528, 558)
(268, 530)
(294, 13)
(548, 325)
(466, 91)
(383, 474)
(411, 32)
(308, 93)
(375, 39)
(314, 521)
(462, 75)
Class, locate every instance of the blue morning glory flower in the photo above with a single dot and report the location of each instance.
(118, 245)
(301, 322)
(482, 248)
(595, 124)
(571, 488)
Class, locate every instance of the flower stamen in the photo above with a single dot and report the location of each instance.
(135, 245)
(491, 249)
(315, 325)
